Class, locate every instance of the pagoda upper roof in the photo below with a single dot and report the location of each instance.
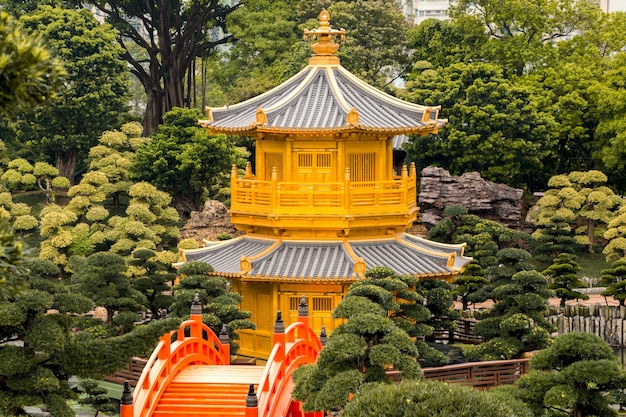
(271, 259)
(324, 98)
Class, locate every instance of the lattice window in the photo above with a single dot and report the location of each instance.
(305, 160)
(323, 160)
(273, 160)
(322, 304)
(362, 167)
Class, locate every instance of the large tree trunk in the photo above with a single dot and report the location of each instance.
(66, 163)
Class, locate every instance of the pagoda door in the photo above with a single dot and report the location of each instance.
(314, 167)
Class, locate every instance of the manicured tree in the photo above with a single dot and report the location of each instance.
(614, 278)
(468, 285)
(152, 277)
(102, 277)
(149, 222)
(29, 370)
(580, 199)
(412, 398)
(410, 310)
(573, 377)
(360, 350)
(13, 272)
(516, 323)
(31, 74)
(599, 205)
(554, 235)
(220, 306)
(114, 155)
(563, 273)
(439, 300)
(70, 230)
(616, 235)
(21, 175)
(47, 336)
(96, 396)
(483, 237)
(18, 214)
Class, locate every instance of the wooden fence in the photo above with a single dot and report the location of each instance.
(480, 375)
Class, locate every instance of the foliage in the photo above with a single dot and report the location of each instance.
(614, 278)
(427, 399)
(359, 350)
(13, 272)
(579, 199)
(572, 377)
(521, 37)
(563, 274)
(102, 277)
(94, 98)
(96, 396)
(442, 43)
(468, 285)
(18, 214)
(21, 175)
(497, 127)
(616, 235)
(153, 276)
(483, 237)
(220, 306)
(29, 73)
(516, 322)
(184, 160)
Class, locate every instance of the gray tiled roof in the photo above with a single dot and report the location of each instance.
(328, 260)
(225, 256)
(302, 260)
(399, 140)
(401, 258)
(319, 98)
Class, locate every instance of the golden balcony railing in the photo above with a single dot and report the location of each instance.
(280, 198)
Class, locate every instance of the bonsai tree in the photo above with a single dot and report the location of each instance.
(468, 286)
(614, 279)
(412, 398)
(573, 377)
(516, 323)
(360, 350)
(220, 306)
(563, 272)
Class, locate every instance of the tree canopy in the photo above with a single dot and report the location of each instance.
(29, 72)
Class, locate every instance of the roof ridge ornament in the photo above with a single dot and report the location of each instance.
(326, 44)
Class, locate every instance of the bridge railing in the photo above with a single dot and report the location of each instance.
(294, 346)
(193, 343)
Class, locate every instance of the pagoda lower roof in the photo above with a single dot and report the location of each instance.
(273, 259)
(324, 99)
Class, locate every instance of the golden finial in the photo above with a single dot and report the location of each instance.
(326, 39)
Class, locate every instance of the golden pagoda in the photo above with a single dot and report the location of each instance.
(324, 204)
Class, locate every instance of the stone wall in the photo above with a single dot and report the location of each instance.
(607, 322)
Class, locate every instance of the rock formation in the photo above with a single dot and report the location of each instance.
(439, 189)
(207, 224)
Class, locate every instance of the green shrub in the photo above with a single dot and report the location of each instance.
(412, 398)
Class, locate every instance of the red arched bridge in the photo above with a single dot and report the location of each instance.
(189, 374)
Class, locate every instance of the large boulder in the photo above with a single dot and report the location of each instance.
(439, 189)
(207, 224)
